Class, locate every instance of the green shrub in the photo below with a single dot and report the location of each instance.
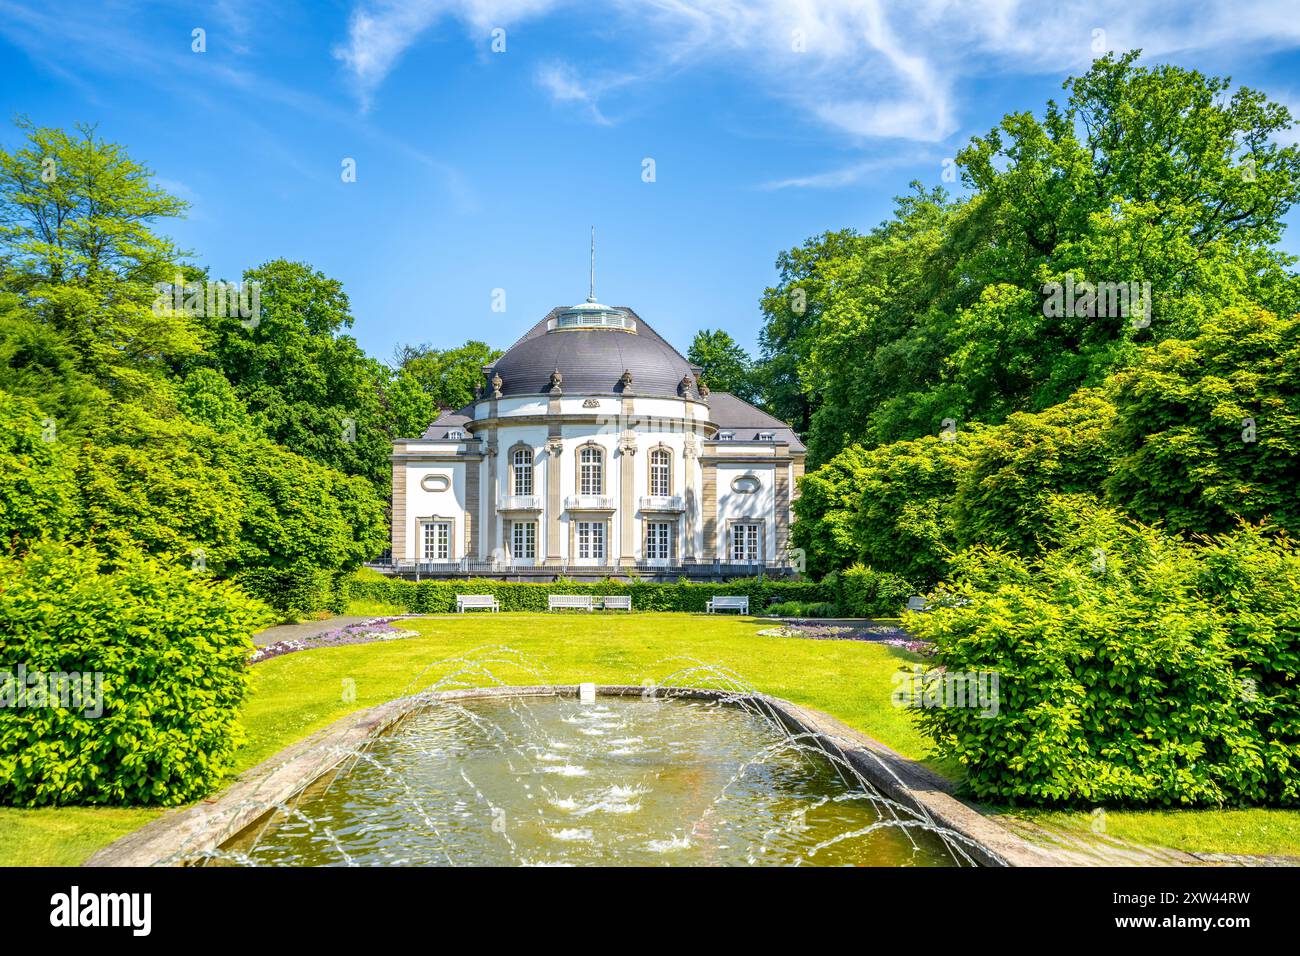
(171, 648)
(1133, 668)
(1208, 428)
(891, 507)
(1002, 498)
(439, 596)
(296, 590)
(863, 592)
(804, 609)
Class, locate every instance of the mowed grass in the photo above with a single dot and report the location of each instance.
(297, 694)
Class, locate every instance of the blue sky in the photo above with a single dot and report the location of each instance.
(479, 170)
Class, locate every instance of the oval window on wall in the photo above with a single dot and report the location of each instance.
(435, 482)
(746, 484)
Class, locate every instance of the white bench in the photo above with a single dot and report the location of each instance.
(557, 602)
(729, 603)
(616, 602)
(466, 602)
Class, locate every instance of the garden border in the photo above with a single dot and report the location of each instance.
(281, 778)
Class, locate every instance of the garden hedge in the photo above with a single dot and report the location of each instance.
(439, 596)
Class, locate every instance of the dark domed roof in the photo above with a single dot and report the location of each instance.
(592, 360)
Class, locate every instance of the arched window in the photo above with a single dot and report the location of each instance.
(522, 463)
(661, 472)
(591, 467)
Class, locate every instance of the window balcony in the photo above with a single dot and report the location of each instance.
(520, 503)
(663, 503)
(590, 503)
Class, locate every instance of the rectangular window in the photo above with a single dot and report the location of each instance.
(744, 543)
(436, 541)
(658, 541)
(591, 466)
(523, 466)
(591, 540)
(523, 542)
(660, 473)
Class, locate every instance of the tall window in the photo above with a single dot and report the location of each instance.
(661, 463)
(658, 541)
(744, 542)
(523, 465)
(435, 544)
(591, 464)
(523, 540)
(591, 540)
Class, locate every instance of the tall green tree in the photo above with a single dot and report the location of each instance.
(1162, 180)
(79, 248)
(792, 310)
(727, 366)
(298, 371)
(448, 376)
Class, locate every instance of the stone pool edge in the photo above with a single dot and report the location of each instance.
(280, 778)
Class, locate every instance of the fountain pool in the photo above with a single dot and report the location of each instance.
(509, 781)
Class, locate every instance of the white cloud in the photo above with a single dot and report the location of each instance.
(564, 85)
(867, 69)
(380, 31)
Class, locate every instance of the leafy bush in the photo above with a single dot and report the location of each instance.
(890, 507)
(803, 609)
(439, 597)
(296, 590)
(862, 592)
(171, 649)
(1208, 428)
(1132, 667)
(1002, 498)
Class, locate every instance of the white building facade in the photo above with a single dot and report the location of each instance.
(595, 449)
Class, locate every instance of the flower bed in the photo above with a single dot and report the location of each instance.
(365, 632)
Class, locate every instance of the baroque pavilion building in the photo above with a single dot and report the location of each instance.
(594, 448)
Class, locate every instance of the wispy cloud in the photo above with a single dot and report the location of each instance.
(866, 69)
(564, 85)
(381, 31)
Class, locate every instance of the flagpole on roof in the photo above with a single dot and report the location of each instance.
(592, 297)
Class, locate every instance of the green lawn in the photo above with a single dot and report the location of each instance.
(300, 693)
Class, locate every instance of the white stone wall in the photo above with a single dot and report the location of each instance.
(759, 505)
(422, 504)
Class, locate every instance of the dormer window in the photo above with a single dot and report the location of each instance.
(767, 436)
(726, 436)
(455, 434)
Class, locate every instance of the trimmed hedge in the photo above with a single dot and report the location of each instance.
(439, 597)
